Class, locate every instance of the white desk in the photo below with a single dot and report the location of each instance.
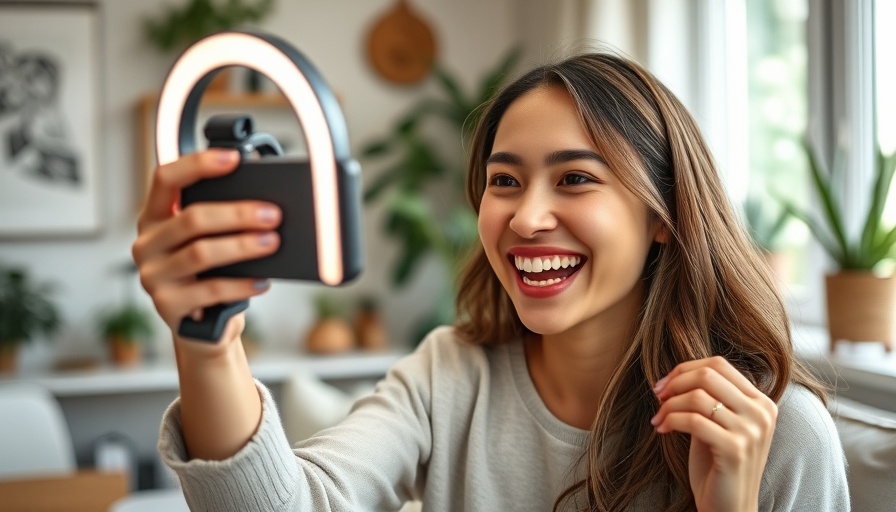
(162, 375)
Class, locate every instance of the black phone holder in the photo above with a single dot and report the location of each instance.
(317, 247)
(233, 132)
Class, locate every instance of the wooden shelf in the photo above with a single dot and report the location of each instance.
(162, 375)
(222, 99)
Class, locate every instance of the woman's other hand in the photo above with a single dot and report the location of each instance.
(731, 424)
(173, 246)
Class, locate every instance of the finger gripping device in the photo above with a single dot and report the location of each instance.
(319, 196)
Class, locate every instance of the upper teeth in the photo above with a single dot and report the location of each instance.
(545, 263)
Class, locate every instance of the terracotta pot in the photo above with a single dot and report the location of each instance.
(370, 331)
(9, 353)
(329, 336)
(124, 352)
(861, 307)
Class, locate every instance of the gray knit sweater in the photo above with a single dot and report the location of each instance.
(462, 427)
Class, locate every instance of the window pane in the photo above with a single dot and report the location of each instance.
(884, 82)
(885, 73)
(777, 96)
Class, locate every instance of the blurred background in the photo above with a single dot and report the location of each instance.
(765, 79)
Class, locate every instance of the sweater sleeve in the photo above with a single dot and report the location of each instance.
(806, 468)
(375, 459)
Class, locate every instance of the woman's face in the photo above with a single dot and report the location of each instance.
(566, 239)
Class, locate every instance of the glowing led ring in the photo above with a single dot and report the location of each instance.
(312, 100)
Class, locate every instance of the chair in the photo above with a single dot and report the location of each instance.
(34, 437)
(38, 472)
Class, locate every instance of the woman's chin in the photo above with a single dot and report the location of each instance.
(540, 325)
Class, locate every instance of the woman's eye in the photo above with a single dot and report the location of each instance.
(503, 180)
(576, 179)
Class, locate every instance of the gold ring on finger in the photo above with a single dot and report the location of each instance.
(716, 408)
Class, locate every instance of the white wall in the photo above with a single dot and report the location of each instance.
(472, 35)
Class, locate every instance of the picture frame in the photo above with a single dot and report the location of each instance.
(49, 114)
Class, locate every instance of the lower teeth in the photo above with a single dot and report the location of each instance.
(549, 282)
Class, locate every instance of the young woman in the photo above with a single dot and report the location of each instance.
(620, 346)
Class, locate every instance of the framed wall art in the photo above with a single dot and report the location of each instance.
(49, 114)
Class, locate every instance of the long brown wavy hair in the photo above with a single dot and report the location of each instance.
(708, 292)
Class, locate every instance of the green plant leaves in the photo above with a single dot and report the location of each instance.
(416, 166)
(413, 222)
(179, 27)
(871, 234)
(875, 242)
(25, 307)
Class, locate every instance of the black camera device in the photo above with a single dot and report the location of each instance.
(319, 197)
(285, 182)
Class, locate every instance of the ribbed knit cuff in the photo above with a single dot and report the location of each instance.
(260, 477)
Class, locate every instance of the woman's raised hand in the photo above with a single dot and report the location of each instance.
(731, 424)
(173, 246)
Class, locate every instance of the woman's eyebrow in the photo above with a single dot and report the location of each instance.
(569, 155)
(503, 157)
(554, 158)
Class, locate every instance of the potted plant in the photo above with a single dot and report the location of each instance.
(370, 331)
(125, 330)
(25, 311)
(766, 229)
(331, 333)
(861, 294)
(421, 228)
(177, 28)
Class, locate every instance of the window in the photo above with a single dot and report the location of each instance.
(776, 119)
(810, 68)
(885, 74)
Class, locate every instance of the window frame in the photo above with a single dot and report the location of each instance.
(840, 95)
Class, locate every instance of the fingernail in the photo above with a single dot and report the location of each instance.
(655, 421)
(266, 239)
(261, 284)
(226, 156)
(660, 384)
(267, 214)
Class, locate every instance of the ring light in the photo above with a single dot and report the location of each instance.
(332, 218)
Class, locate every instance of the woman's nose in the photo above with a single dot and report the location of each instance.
(534, 214)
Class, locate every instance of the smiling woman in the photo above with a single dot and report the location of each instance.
(666, 284)
(620, 346)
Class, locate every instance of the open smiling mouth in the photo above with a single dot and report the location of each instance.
(544, 271)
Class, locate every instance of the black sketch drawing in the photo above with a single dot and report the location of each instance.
(33, 139)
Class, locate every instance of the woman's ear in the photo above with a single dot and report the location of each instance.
(662, 234)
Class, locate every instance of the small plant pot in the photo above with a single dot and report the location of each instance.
(9, 355)
(329, 336)
(124, 352)
(370, 331)
(861, 307)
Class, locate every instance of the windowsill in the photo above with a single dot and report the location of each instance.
(864, 364)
